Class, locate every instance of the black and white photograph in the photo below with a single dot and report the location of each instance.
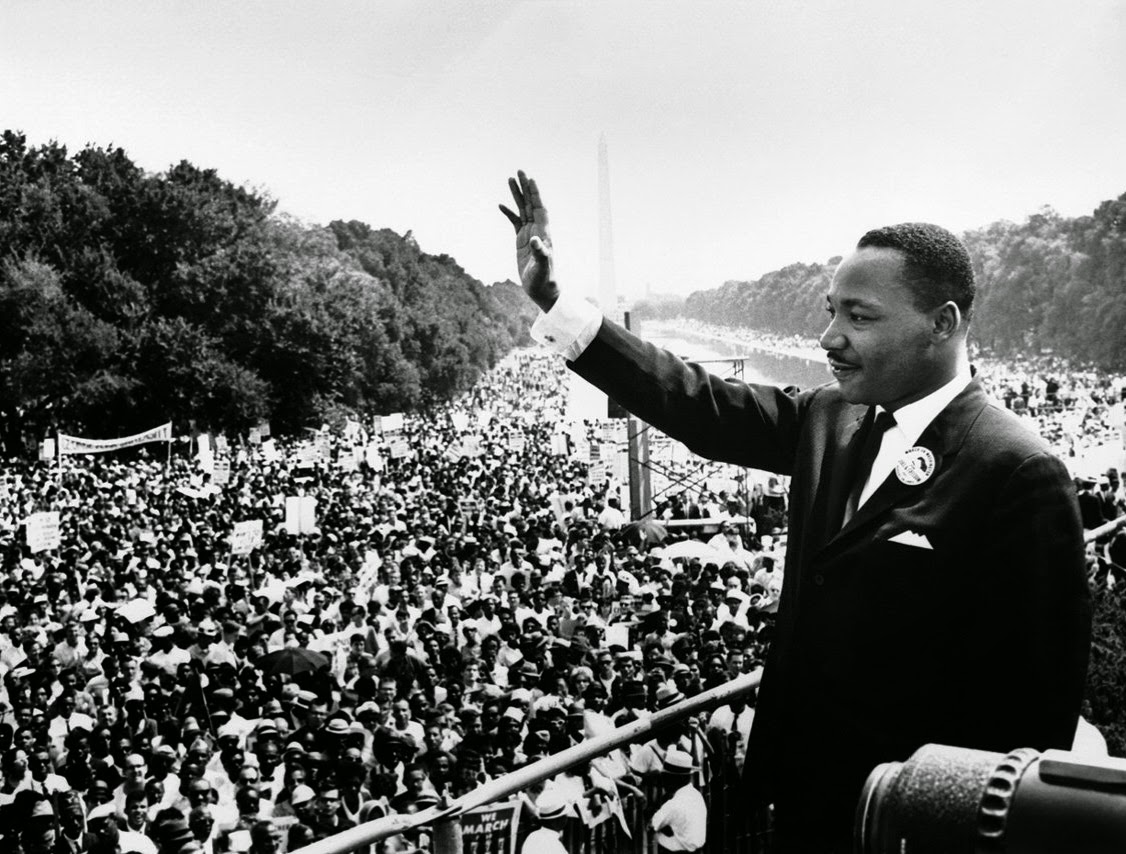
(547, 426)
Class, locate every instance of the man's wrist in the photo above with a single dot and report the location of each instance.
(568, 327)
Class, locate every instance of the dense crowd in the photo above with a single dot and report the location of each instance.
(470, 598)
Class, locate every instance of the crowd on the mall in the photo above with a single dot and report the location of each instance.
(469, 600)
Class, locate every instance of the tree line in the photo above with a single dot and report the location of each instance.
(129, 298)
(1047, 284)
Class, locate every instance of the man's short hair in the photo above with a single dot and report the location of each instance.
(937, 265)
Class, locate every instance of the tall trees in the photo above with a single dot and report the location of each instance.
(1048, 283)
(129, 298)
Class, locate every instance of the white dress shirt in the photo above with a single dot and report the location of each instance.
(910, 422)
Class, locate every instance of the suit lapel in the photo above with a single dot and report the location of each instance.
(836, 475)
(942, 437)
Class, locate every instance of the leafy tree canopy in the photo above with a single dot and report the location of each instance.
(129, 298)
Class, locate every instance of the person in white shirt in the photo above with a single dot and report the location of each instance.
(552, 808)
(681, 822)
(734, 720)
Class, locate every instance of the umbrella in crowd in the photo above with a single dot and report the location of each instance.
(645, 532)
(691, 549)
(291, 661)
(137, 610)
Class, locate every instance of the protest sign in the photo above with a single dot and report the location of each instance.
(558, 445)
(398, 449)
(270, 451)
(300, 514)
(246, 537)
(392, 423)
(47, 449)
(617, 634)
(516, 444)
(43, 531)
(598, 474)
(460, 420)
(346, 459)
(307, 456)
(491, 828)
(254, 436)
(221, 472)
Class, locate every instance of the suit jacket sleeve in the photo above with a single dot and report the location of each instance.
(727, 420)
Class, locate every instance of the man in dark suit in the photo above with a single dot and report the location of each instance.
(935, 589)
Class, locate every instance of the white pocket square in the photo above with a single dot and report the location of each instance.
(910, 538)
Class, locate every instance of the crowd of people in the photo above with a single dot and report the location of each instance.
(468, 599)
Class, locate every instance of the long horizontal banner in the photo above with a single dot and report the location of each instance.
(77, 445)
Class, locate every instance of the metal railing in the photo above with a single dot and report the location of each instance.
(720, 788)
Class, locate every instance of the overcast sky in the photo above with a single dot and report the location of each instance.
(742, 136)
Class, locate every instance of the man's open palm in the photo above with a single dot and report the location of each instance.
(533, 241)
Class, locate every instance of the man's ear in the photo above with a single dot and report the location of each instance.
(947, 320)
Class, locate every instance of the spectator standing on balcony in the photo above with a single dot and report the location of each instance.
(681, 822)
(903, 471)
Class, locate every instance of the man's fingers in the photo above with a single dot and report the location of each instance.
(512, 218)
(525, 195)
(538, 212)
(517, 195)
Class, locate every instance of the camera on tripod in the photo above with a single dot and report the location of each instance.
(948, 800)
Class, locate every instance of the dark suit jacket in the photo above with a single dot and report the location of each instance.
(880, 648)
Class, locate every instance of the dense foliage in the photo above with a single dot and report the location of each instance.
(128, 299)
(1047, 284)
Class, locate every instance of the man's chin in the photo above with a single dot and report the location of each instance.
(850, 387)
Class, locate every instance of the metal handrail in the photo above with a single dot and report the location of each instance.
(522, 778)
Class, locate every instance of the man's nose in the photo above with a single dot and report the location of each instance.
(832, 338)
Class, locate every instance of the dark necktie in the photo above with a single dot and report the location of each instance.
(883, 422)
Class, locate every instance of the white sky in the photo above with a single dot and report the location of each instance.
(742, 136)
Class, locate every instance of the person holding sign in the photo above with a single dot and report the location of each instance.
(935, 588)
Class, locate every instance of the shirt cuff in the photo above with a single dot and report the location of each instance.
(569, 327)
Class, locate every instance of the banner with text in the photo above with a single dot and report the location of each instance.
(78, 445)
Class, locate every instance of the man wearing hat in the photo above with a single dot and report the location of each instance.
(552, 808)
(681, 822)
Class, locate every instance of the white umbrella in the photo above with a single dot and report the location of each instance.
(136, 610)
(690, 549)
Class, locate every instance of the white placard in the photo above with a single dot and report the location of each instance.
(270, 451)
(558, 445)
(300, 514)
(43, 532)
(392, 423)
(246, 537)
